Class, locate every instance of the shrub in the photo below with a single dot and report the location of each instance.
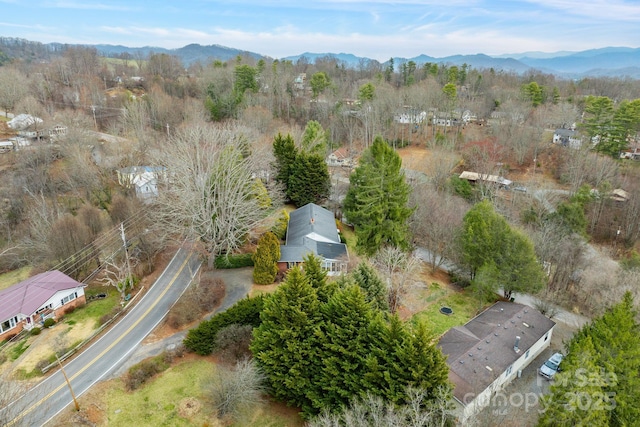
(199, 298)
(201, 339)
(232, 342)
(36, 331)
(234, 261)
(49, 323)
(266, 258)
(280, 227)
(42, 364)
(238, 390)
(140, 373)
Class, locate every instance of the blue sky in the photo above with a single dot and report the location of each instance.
(372, 28)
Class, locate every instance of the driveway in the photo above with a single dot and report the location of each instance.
(238, 282)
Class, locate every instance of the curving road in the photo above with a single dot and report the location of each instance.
(52, 395)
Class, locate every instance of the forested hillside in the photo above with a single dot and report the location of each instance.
(230, 142)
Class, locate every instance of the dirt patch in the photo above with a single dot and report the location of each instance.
(61, 336)
(189, 407)
(413, 301)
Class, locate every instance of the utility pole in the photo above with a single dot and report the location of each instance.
(126, 255)
(73, 395)
(95, 122)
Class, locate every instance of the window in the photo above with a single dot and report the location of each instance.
(526, 355)
(508, 371)
(546, 337)
(9, 324)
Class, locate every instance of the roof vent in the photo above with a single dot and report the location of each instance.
(513, 321)
(487, 341)
(489, 369)
(496, 334)
(515, 346)
(501, 309)
(462, 361)
(479, 348)
(526, 325)
(499, 325)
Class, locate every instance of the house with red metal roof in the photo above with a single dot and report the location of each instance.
(32, 301)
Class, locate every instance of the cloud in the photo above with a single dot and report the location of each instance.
(598, 10)
(88, 6)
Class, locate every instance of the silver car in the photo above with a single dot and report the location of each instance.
(551, 366)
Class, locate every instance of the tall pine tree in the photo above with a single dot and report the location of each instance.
(376, 202)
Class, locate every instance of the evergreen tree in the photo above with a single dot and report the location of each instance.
(265, 259)
(599, 383)
(318, 277)
(344, 348)
(577, 396)
(374, 288)
(309, 181)
(314, 138)
(285, 152)
(376, 202)
(285, 342)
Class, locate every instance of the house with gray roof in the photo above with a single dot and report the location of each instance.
(489, 351)
(32, 301)
(312, 230)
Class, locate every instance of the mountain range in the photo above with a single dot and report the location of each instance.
(603, 62)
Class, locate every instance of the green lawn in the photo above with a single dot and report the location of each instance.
(465, 306)
(94, 310)
(14, 276)
(157, 403)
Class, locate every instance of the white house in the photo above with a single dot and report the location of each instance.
(32, 301)
(143, 179)
(567, 138)
(487, 353)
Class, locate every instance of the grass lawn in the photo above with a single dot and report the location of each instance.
(94, 310)
(465, 306)
(161, 402)
(349, 236)
(14, 276)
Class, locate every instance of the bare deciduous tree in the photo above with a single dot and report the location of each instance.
(398, 269)
(235, 391)
(210, 195)
(118, 274)
(420, 411)
(435, 221)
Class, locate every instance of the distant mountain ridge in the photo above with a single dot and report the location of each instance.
(603, 62)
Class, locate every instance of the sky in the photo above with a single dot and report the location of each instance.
(374, 29)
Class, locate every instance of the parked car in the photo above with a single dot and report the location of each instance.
(551, 366)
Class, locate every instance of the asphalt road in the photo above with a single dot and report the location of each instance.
(51, 396)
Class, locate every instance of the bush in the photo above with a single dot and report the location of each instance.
(461, 187)
(140, 373)
(42, 364)
(199, 298)
(36, 331)
(280, 227)
(234, 261)
(266, 259)
(49, 323)
(236, 391)
(201, 339)
(232, 342)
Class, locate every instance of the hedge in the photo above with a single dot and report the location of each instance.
(234, 261)
(201, 339)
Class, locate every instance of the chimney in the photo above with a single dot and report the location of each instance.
(515, 347)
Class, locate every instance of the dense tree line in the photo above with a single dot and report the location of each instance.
(321, 345)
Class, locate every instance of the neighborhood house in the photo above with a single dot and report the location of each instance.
(32, 301)
(490, 350)
(312, 230)
(143, 179)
